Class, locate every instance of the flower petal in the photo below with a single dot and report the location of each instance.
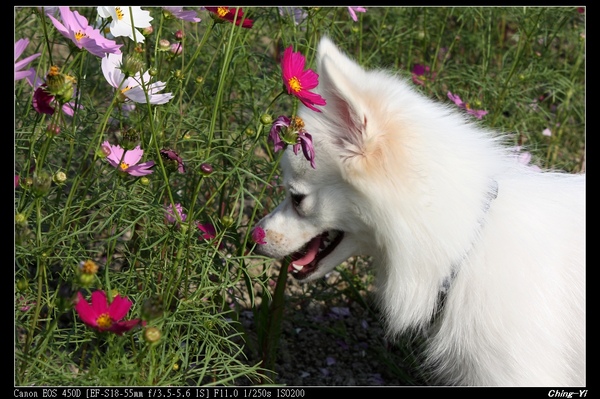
(119, 307)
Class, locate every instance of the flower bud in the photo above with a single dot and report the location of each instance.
(132, 64)
(164, 45)
(41, 182)
(206, 169)
(86, 280)
(59, 85)
(152, 335)
(144, 181)
(21, 219)
(130, 139)
(179, 35)
(59, 177)
(266, 119)
(22, 284)
(53, 129)
(227, 220)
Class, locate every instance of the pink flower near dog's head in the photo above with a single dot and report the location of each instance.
(258, 235)
(127, 161)
(102, 316)
(298, 81)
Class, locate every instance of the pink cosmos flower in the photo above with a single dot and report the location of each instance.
(354, 10)
(102, 316)
(178, 12)
(228, 14)
(171, 217)
(127, 161)
(20, 46)
(298, 81)
(461, 104)
(77, 29)
(258, 235)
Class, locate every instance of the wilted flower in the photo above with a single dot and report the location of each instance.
(102, 316)
(298, 81)
(127, 161)
(171, 217)
(133, 87)
(20, 46)
(173, 159)
(461, 104)
(208, 230)
(55, 92)
(285, 132)
(83, 35)
(121, 21)
(222, 14)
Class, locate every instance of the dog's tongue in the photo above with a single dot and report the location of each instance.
(311, 252)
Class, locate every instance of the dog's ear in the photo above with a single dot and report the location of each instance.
(338, 77)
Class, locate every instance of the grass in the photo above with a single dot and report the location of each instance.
(524, 65)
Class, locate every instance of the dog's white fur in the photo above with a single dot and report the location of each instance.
(440, 204)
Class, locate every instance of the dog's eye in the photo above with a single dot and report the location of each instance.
(297, 199)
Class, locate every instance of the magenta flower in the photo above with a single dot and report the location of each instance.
(228, 14)
(421, 74)
(44, 102)
(83, 35)
(298, 81)
(171, 217)
(284, 132)
(178, 12)
(258, 235)
(127, 161)
(16, 181)
(354, 10)
(461, 104)
(208, 230)
(20, 46)
(102, 316)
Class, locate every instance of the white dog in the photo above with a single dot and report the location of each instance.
(481, 253)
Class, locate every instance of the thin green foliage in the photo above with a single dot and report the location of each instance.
(189, 274)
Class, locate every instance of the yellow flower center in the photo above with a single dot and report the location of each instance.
(89, 267)
(54, 71)
(126, 88)
(120, 13)
(294, 84)
(297, 123)
(222, 11)
(104, 321)
(124, 166)
(79, 35)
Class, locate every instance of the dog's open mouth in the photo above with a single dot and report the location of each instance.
(306, 261)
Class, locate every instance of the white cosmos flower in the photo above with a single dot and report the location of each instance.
(131, 87)
(121, 25)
